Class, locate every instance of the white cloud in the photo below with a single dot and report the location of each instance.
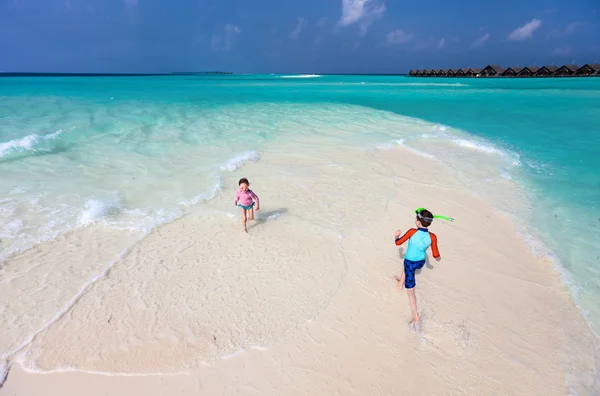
(428, 44)
(398, 37)
(562, 51)
(526, 31)
(132, 10)
(361, 12)
(322, 22)
(481, 41)
(570, 29)
(441, 43)
(298, 29)
(226, 39)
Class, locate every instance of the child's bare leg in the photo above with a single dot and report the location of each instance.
(400, 280)
(413, 305)
(251, 216)
(244, 219)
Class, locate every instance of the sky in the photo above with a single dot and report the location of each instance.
(285, 36)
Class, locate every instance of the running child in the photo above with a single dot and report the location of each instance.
(419, 240)
(245, 199)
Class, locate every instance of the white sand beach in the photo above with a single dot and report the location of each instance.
(294, 308)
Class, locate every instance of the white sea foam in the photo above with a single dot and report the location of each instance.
(54, 135)
(478, 146)
(96, 209)
(240, 160)
(302, 76)
(472, 144)
(26, 143)
(402, 143)
(204, 196)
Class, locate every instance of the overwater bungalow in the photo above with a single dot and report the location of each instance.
(565, 71)
(528, 71)
(492, 71)
(473, 72)
(546, 71)
(511, 71)
(588, 69)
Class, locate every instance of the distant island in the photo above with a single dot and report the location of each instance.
(28, 74)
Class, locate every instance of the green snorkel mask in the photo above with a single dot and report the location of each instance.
(419, 210)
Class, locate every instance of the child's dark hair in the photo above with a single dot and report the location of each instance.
(425, 217)
(243, 180)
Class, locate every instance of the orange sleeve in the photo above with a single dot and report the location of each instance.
(434, 246)
(406, 236)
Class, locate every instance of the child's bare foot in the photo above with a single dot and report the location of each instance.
(399, 281)
(416, 320)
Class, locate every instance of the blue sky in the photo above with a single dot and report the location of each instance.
(320, 36)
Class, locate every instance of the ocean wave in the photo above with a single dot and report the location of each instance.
(402, 142)
(488, 149)
(204, 196)
(302, 76)
(473, 144)
(96, 209)
(26, 143)
(240, 160)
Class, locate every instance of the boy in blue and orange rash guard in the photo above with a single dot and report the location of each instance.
(419, 240)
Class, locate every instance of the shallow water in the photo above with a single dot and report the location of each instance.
(101, 162)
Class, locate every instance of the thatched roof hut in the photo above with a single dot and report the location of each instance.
(451, 73)
(442, 72)
(473, 72)
(511, 71)
(492, 71)
(528, 71)
(565, 71)
(460, 73)
(546, 71)
(589, 69)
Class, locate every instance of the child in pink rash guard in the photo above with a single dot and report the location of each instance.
(244, 198)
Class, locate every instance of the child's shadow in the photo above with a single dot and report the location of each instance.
(261, 217)
(427, 262)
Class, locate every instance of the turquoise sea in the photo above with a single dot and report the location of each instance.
(134, 152)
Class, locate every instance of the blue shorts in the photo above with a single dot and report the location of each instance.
(409, 271)
(246, 207)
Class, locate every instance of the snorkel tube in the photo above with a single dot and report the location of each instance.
(419, 210)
